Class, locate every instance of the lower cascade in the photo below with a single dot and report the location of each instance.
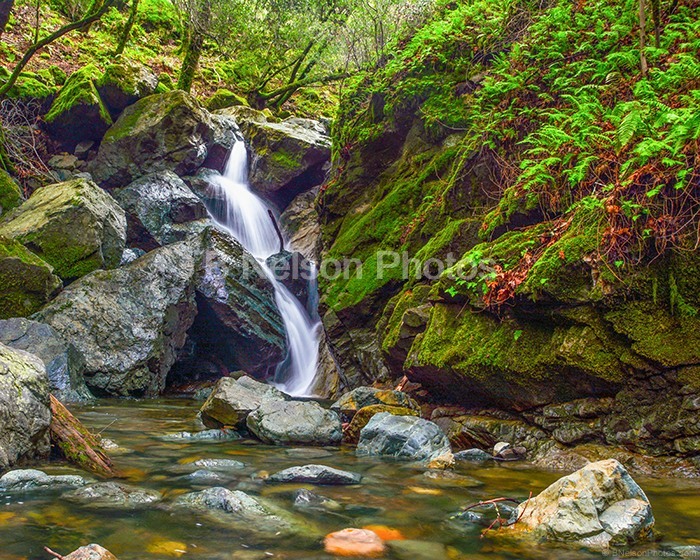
(247, 217)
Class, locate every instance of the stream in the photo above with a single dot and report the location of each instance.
(393, 494)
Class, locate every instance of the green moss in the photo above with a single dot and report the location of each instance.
(79, 89)
(405, 301)
(27, 88)
(59, 76)
(10, 193)
(223, 98)
(121, 76)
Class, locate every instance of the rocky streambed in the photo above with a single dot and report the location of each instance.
(185, 493)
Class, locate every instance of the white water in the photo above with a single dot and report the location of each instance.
(246, 218)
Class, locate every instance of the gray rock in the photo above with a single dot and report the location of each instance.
(316, 474)
(473, 455)
(404, 437)
(63, 361)
(219, 464)
(160, 209)
(500, 447)
(232, 400)
(206, 435)
(24, 408)
(75, 226)
(361, 397)
(113, 495)
(308, 453)
(295, 422)
(238, 300)
(130, 323)
(91, 552)
(307, 500)
(298, 275)
(30, 479)
(169, 131)
(204, 476)
(598, 506)
(240, 510)
(130, 255)
(124, 83)
(300, 221)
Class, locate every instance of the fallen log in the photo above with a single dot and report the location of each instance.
(75, 442)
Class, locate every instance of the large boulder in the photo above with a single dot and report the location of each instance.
(124, 83)
(63, 361)
(74, 226)
(130, 323)
(598, 506)
(237, 303)
(78, 113)
(160, 209)
(26, 281)
(298, 275)
(300, 221)
(295, 423)
(351, 434)
(24, 408)
(287, 157)
(232, 400)
(403, 437)
(169, 131)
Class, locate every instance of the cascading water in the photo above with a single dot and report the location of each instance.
(246, 217)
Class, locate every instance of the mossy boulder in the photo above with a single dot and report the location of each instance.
(123, 84)
(362, 397)
(24, 408)
(74, 226)
(287, 157)
(78, 112)
(169, 131)
(224, 98)
(31, 89)
(10, 193)
(26, 282)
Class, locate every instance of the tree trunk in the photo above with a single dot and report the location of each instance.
(76, 443)
(199, 26)
(128, 27)
(642, 38)
(5, 10)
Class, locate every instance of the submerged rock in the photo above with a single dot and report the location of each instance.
(473, 455)
(163, 132)
(63, 361)
(360, 543)
(219, 464)
(598, 506)
(160, 209)
(316, 474)
(295, 422)
(205, 435)
(403, 437)
(91, 552)
(232, 400)
(74, 226)
(307, 500)
(24, 408)
(418, 550)
(113, 495)
(31, 479)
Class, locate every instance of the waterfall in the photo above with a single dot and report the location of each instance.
(245, 216)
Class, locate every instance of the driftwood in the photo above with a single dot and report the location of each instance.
(76, 443)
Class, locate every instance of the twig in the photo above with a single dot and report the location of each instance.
(524, 508)
(54, 554)
(277, 229)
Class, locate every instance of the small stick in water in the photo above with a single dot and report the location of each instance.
(54, 554)
(277, 229)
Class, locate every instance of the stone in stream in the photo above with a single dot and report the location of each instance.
(418, 550)
(30, 479)
(242, 511)
(91, 552)
(113, 495)
(232, 400)
(351, 433)
(473, 455)
(306, 500)
(403, 437)
(355, 542)
(316, 474)
(160, 209)
(294, 423)
(63, 361)
(204, 476)
(219, 464)
(205, 435)
(24, 408)
(361, 397)
(75, 226)
(599, 506)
